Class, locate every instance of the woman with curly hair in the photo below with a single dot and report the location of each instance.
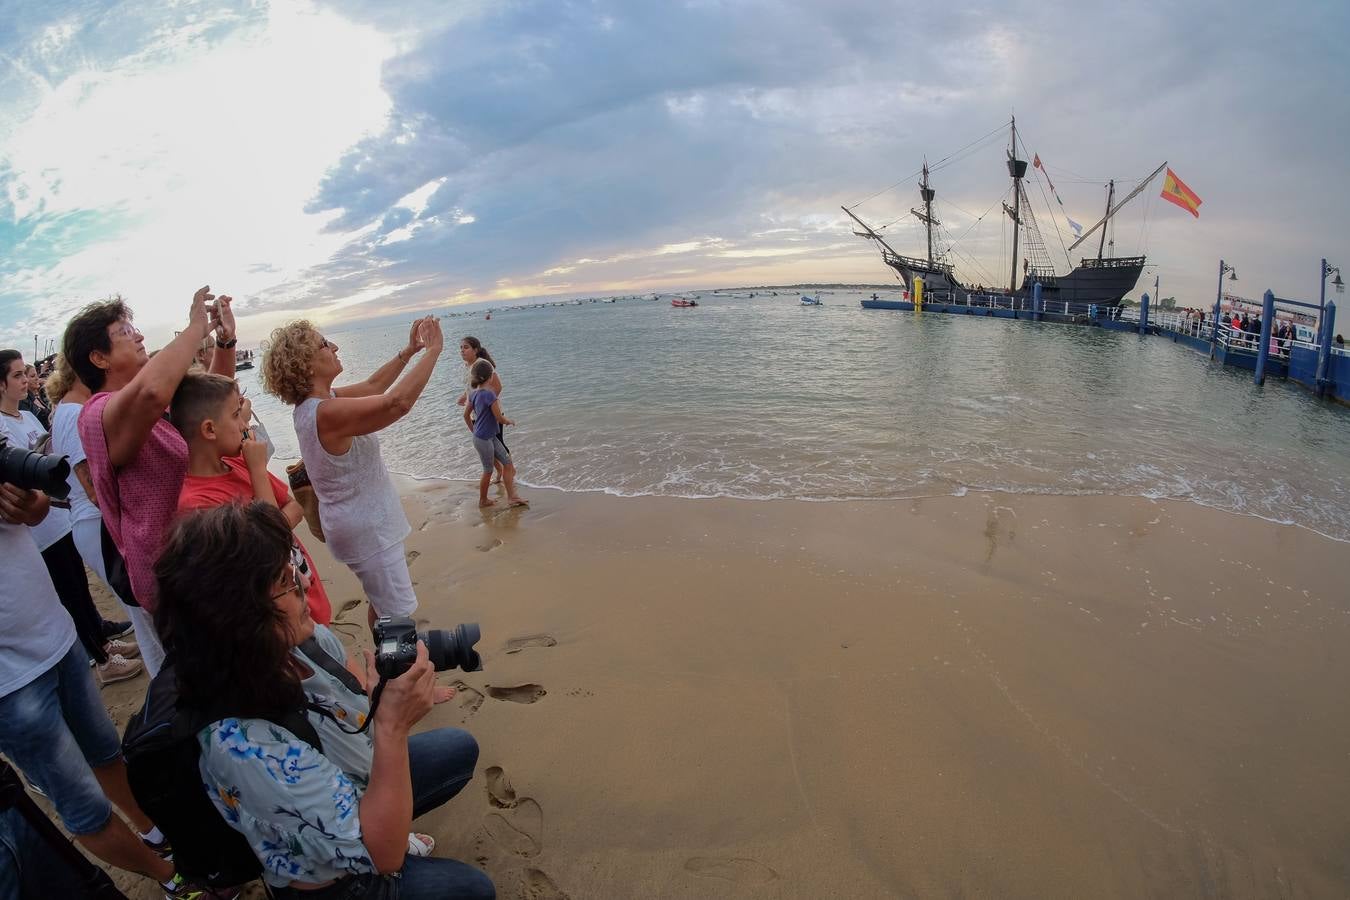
(363, 521)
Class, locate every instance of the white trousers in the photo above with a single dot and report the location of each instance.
(385, 579)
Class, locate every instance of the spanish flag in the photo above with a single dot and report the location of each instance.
(1177, 192)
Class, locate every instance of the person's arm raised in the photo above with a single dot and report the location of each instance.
(222, 358)
(131, 413)
(341, 419)
(384, 376)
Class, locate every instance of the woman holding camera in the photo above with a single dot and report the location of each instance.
(330, 823)
(363, 520)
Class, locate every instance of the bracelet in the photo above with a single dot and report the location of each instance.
(401, 358)
(226, 345)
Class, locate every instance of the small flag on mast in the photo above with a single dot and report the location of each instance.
(1077, 229)
(1175, 191)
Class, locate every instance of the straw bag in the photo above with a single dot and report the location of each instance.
(304, 494)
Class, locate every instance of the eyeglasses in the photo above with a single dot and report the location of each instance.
(296, 586)
(127, 331)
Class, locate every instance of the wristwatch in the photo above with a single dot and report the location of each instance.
(225, 345)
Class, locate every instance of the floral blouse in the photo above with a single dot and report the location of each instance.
(297, 807)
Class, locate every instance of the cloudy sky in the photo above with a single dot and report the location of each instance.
(349, 158)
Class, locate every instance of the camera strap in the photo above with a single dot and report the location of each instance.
(315, 653)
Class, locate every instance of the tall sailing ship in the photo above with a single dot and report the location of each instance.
(1101, 281)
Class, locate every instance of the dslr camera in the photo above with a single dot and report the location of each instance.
(396, 646)
(34, 471)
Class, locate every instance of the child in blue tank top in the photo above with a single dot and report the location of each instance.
(482, 415)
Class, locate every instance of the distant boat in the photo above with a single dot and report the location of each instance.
(811, 301)
(682, 303)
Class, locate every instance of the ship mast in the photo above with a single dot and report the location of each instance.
(1017, 168)
(926, 217)
(1110, 195)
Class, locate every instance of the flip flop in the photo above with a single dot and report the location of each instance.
(420, 844)
(519, 501)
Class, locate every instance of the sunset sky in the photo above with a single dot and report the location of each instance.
(355, 158)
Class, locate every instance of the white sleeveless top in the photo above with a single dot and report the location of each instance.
(358, 504)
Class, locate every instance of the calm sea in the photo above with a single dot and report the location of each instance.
(764, 398)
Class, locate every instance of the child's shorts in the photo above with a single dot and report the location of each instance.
(490, 449)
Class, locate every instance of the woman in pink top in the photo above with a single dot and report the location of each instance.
(136, 457)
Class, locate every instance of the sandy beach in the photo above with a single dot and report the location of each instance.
(993, 695)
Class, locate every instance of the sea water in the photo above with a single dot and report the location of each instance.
(761, 397)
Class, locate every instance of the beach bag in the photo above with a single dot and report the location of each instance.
(303, 492)
(162, 752)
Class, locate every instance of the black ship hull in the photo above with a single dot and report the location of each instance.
(1100, 282)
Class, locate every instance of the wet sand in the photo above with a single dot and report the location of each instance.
(1012, 696)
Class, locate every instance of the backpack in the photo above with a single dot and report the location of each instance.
(162, 753)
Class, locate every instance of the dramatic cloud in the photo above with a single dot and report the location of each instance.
(357, 157)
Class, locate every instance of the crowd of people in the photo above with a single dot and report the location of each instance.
(171, 505)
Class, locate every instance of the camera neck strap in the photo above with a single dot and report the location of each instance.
(315, 653)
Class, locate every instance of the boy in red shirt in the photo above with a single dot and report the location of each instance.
(226, 465)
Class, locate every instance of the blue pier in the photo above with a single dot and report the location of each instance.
(1321, 367)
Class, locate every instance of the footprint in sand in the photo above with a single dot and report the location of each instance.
(412, 556)
(469, 699)
(520, 829)
(520, 693)
(499, 790)
(346, 608)
(515, 645)
(538, 886)
(730, 868)
(490, 545)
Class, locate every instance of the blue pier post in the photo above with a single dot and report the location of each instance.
(1263, 351)
(1143, 314)
(1327, 324)
(1037, 305)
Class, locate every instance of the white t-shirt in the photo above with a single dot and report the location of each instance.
(66, 442)
(26, 432)
(35, 630)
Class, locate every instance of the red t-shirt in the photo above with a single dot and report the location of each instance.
(208, 491)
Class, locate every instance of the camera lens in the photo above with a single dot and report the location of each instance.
(34, 471)
(450, 649)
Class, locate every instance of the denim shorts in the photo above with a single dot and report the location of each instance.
(490, 449)
(56, 731)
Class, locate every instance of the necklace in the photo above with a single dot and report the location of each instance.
(12, 415)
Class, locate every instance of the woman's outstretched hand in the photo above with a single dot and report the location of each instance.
(430, 333)
(203, 314)
(415, 338)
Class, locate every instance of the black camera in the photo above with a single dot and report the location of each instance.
(34, 471)
(396, 646)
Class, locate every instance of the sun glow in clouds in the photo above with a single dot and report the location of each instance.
(198, 167)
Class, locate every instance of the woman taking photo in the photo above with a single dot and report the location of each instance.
(363, 520)
(325, 824)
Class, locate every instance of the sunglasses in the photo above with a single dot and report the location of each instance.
(296, 586)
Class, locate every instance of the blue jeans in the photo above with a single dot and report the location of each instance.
(56, 731)
(441, 763)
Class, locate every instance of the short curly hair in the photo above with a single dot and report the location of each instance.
(286, 372)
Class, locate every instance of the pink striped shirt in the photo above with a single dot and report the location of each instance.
(140, 499)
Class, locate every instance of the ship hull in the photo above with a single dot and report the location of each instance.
(1096, 282)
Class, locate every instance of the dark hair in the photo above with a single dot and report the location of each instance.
(88, 333)
(7, 357)
(198, 398)
(215, 616)
(479, 350)
(480, 373)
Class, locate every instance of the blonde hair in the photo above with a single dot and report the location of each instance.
(61, 379)
(286, 372)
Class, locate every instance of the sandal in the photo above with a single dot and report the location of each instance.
(420, 844)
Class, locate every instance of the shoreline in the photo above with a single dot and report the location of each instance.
(928, 696)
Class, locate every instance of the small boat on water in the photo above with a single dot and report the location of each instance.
(811, 301)
(683, 303)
